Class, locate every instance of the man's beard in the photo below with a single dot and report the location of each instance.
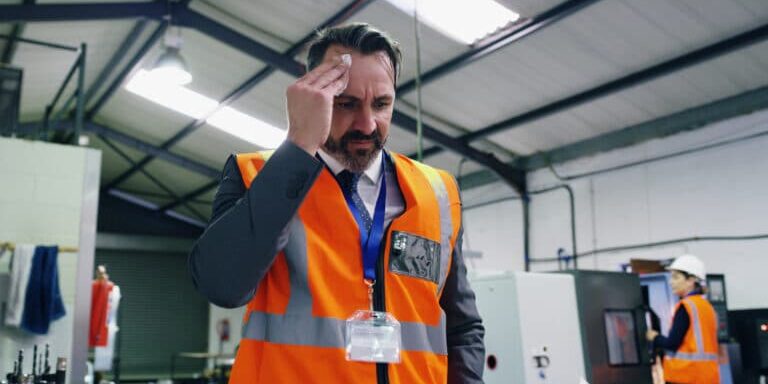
(354, 160)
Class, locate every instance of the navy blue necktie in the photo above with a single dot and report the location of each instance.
(348, 182)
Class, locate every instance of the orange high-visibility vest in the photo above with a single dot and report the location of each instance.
(696, 361)
(294, 326)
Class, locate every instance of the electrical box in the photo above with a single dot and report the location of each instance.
(532, 331)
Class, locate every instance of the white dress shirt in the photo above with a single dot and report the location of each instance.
(370, 184)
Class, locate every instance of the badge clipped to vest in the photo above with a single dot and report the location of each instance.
(371, 336)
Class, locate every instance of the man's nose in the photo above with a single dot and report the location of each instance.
(365, 121)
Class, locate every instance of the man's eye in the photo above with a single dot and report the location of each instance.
(381, 104)
(345, 104)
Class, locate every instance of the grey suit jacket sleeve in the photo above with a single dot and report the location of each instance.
(465, 331)
(248, 226)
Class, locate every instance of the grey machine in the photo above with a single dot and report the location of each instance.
(532, 334)
(613, 326)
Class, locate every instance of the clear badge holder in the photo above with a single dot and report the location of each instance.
(373, 337)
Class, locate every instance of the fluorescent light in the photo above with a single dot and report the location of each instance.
(464, 20)
(169, 95)
(190, 103)
(247, 127)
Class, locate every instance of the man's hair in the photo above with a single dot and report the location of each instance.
(360, 37)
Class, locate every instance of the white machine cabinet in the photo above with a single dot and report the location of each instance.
(532, 332)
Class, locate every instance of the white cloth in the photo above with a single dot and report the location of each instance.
(103, 356)
(17, 292)
(370, 183)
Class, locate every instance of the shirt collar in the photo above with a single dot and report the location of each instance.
(373, 173)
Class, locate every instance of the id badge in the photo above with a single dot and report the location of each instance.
(373, 337)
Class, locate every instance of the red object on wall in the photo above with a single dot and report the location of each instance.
(97, 334)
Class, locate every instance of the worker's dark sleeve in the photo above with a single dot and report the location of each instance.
(680, 324)
(248, 226)
(465, 331)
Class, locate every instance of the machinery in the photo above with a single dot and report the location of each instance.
(613, 326)
(750, 327)
(658, 295)
(532, 328)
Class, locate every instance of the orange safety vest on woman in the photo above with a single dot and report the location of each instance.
(294, 326)
(696, 360)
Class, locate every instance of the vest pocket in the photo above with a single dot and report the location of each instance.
(414, 256)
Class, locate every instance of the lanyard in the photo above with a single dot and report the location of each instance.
(371, 241)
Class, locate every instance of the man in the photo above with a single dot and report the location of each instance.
(691, 347)
(349, 256)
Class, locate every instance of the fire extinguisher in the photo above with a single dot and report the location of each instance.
(222, 327)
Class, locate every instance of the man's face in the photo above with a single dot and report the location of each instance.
(362, 113)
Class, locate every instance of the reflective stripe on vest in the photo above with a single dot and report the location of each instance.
(446, 224)
(329, 332)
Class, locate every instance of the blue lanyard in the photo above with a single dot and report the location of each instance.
(370, 242)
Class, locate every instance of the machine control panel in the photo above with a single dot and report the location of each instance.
(762, 335)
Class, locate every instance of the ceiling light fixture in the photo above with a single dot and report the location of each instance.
(170, 66)
(463, 20)
(198, 106)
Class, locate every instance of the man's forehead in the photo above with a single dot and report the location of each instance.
(336, 50)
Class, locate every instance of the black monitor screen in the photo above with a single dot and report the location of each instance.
(621, 335)
(716, 290)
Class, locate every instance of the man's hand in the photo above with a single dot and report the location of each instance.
(310, 102)
(651, 334)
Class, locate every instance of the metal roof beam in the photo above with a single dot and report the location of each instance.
(517, 33)
(137, 144)
(287, 64)
(148, 44)
(698, 56)
(243, 88)
(81, 12)
(116, 59)
(191, 196)
(12, 44)
(686, 121)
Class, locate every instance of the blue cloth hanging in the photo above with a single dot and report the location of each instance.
(43, 302)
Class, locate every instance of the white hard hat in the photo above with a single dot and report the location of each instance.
(691, 265)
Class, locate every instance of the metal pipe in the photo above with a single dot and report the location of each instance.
(149, 176)
(12, 38)
(80, 109)
(526, 233)
(573, 216)
(661, 243)
(58, 115)
(526, 213)
(63, 85)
